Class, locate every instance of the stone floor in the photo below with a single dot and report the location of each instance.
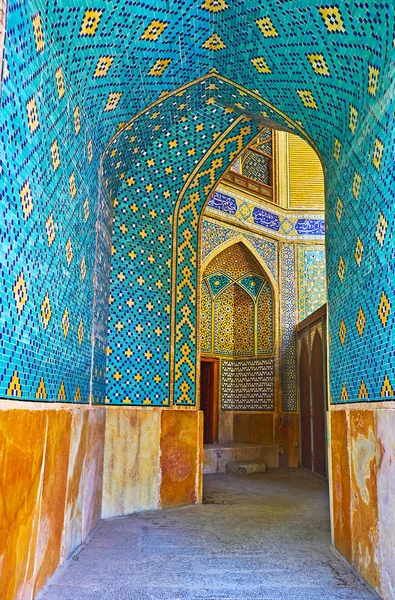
(260, 536)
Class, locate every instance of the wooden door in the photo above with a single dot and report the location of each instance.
(318, 406)
(305, 410)
(209, 399)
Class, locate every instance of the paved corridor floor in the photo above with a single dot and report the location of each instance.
(260, 536)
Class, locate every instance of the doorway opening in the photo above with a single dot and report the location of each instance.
(264, 272)
(209, 398)
(312, 371)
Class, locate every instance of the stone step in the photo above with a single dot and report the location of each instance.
(244, 467)
(216, 456)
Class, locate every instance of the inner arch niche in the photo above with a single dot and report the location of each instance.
(237, 328)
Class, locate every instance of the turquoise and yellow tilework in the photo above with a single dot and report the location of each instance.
(76, 74)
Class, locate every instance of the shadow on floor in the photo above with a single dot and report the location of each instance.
(263, 536)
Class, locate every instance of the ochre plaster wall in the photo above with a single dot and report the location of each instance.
(151, 459)
(362, 489)
(51, 460)
(54, 460)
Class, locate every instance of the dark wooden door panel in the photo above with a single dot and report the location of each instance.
(208, 400)
(319, 408)
(305, 412)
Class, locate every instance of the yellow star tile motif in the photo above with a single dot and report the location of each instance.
(38, 33)
(360, 322)
(46, 312)
(266, 26)
(381, 229)
(384, 309)
(140, 280)
(159, 67)
(261, 65)
(123, 228)
(41, 391)
(363, 392)
(77, 395)
(80, 332)
(60, 82)
(131, 181)
(353, 118)
(319, 65)
(307, 98)
(32, 115)
(143, 234)
(20, 294)
(173, 144)
(55, 155)
(344, 393)
(356, 185)
(151, 259)
(69, 251)
(128, 353)
(138, 377)
(336, 149)
(65, 323)
(117, 376)
(14, 387)
(112, 101)
(358, 252)
(139, 328)
(373, 80)
(83, 268)
(339, 209)
(73, 187)
(119, 326)
(148, 355)
(121, 276)
(377, 153)
(86, 209)
(387, 390)
(157, 378)
(341, 269)
(342, 332)
(154, 30)
(26, 198)
(332, 19)
(77, 120)
(103, 66)
(62, 392)
(90, 22)
(214, 6)
(214, 43)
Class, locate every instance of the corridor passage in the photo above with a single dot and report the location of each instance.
(260, 536)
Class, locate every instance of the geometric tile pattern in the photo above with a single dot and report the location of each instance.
(215, 234)
(234, 322)
(288, 321)
(247, 384)
(311, 279)
(76, 75)
(241, 303)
